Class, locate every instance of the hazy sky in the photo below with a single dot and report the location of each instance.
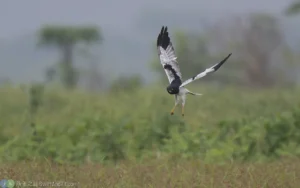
(19, 16)
(127, 21)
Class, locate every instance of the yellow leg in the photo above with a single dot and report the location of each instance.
(173, 109)
(182, 110)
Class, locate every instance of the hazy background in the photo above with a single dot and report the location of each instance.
(129, 30)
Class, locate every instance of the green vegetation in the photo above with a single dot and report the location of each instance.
(222, 132)
(224, 124)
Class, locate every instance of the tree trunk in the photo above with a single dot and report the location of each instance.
(69, 77)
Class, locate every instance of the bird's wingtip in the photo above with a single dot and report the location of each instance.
(164, 27)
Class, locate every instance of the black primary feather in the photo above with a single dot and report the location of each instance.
(163, 38)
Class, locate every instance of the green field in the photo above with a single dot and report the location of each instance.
(229, 137)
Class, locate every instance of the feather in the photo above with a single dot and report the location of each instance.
(167, 55)
(206, 72)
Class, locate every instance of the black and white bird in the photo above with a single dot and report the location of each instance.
(169, 62)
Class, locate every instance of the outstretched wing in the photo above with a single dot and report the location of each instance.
(167, 55)
(206, 72)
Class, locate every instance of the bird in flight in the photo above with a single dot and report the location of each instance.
(169, 62)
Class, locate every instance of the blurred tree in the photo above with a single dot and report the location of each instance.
(262, 37)
(293, 9)
(258, 44)
(65, 39)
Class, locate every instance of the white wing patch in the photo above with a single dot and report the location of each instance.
(206, 72)
(167, 55)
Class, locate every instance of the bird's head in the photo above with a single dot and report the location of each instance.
(172, 90)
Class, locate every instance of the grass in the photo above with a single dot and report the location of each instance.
(219, 143)
(160, 173)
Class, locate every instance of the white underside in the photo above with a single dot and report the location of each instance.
(181, 96)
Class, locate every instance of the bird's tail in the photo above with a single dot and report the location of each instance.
(192, 93)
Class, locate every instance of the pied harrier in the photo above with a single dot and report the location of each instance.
(168, 60)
